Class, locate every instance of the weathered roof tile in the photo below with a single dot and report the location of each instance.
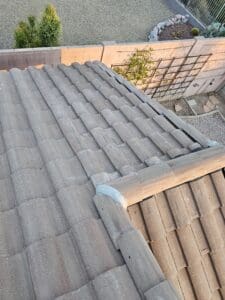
(15, 280)
(115, 284)
(64, 131)
(92, 239)
(55, 267)
(51, 222)
(31, 183)
(10, 234)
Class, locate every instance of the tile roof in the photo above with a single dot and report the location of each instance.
(184, 227)
(64, 130)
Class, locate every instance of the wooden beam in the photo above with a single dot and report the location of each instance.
(166, 175)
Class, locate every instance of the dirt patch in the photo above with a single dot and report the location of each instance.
(176, 32)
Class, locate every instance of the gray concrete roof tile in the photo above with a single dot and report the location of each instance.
(147, 110)
(113, 117)
(23, 158)
(118, 101)
(8, 108)
(79, 142)
(92, 121)
(32, 183)
(92, 239)
(143, 148)
(7, 199)
(66, 130)
(65, 172)
(2, 146)
(4, 166)
(45, 132)
(80, 108)
(62, 111)
(163, 291)
(86, 292)
(115, 284)
(16, 284)
(127, 131)
(106, 136)
(41, 218)
(132, 113)
(11, 121)
(18, 138)
(102, 178)
(69, 125)
(77, 204)
(55, 267)
(95, 162)
(43, 117)
(53, 149)
(10, 234)
(121, 155)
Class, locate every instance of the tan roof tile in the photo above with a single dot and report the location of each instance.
(65, 131)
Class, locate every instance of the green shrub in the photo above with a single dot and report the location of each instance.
(33, 33)
(50, 27)
(137, 67)
(216, 29)
(26, 34)
(195, 31)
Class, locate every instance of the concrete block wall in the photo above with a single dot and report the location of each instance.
(166, 54)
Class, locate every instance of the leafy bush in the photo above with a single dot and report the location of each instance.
(26, 34)
(195, 31)
(137, 67)
(216, 29)
(50, 27)
(33, 33)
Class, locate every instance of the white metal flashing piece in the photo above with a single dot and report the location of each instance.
(114, 194)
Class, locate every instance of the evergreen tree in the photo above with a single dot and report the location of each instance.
(26, 34)
(50, 27)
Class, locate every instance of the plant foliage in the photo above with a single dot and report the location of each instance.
(32, 33)
(216, 29)
(137, 67)
(50, 27)
(195, 31)
(26, 34)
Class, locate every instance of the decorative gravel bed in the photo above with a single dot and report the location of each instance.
(212, 125)
(184, 108)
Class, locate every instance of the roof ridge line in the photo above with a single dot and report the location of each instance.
(152, 180)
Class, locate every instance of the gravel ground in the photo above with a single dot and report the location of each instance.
(186, 111)
(212, 125)
(89, 22)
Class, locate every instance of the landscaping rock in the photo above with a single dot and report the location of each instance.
(178, 107)
(209, 106)
(214, 100)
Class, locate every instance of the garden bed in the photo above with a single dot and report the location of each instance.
(176, 31)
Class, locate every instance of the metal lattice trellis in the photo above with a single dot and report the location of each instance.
(171, 77)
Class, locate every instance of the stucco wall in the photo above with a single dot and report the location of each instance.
(191, 66)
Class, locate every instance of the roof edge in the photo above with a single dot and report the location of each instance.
(160, 177)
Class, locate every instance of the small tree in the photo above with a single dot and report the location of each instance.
(33, 33)
(26, 34)
(50, 27)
